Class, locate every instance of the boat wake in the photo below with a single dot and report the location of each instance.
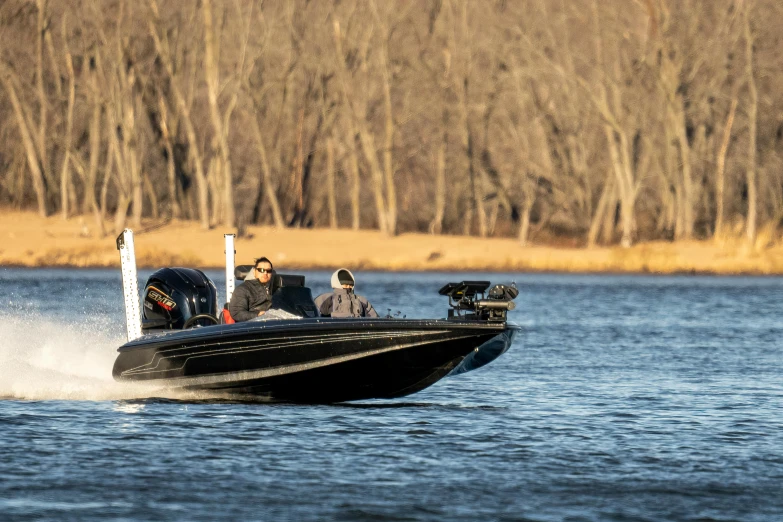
(47, 359)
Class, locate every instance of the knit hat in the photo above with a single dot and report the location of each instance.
(341, 277)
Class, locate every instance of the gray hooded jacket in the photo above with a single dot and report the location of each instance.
(342, 302)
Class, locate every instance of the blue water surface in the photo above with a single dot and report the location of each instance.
(624, 398)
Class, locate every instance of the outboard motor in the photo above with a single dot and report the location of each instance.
(178, 298)
(468, 302)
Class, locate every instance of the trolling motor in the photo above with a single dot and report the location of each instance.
(469, 300)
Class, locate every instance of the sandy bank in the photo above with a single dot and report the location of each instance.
(28, 240)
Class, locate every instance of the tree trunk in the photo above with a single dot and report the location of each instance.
(359, 126)
(190, 131)
(620, 162)
(600, 211)
(171, 169)
(436, 225)
(524, 222)
(107, 171)
(266, 173)
(53, 60)
(89, 203)
(151, 195)
(687, 199)
(356, 186)
(121, 183)
(478, 192)
(295, 182)
(468, 209)
(388, 167)
(123, 202)
(131, 153)
(213, 182)
(753, 100)
(65, 174)
(609, 226)
(467, 142)
(43, 28)
(720, 182)
(330, 183)
(211, 70)
(39, 182)
(368, 146)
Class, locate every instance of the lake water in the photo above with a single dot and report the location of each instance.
(624, 398)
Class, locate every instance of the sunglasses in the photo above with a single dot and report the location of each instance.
(264, 270)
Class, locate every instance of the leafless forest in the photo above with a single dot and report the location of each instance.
(575, 122)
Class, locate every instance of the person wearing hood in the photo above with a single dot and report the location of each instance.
(342, 301)
(253, 298)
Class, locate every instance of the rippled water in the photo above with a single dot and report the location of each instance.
(625, 398)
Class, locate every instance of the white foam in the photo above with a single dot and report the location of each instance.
(45, 359)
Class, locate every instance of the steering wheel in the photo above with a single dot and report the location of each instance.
(198, 317)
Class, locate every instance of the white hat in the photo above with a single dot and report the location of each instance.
(343, 276)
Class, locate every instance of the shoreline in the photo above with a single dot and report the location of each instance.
(683, 274)
(29, 241)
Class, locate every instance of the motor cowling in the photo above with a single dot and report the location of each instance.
(177, 298)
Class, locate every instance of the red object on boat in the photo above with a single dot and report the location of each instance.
(225, 317)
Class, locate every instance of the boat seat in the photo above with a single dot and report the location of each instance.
(242, 271)
(287, 280)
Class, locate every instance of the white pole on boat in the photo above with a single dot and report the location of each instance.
(130, 284)
(230, 255)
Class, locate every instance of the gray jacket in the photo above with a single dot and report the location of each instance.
(344, 303)
(249, 298)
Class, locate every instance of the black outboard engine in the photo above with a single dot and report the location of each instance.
(468, 302)
(178, 298)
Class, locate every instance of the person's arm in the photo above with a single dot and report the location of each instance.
(369, 311)
(239, 307)
(324, 304)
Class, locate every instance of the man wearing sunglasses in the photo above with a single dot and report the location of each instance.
(253, 298)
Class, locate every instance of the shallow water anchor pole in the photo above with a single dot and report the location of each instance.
(230, 255)
(130, 284)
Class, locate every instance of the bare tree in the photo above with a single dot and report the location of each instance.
(753, 101)
(183, 107)
(720, 180)
(10, 80)
(575, 122)
(65, 174)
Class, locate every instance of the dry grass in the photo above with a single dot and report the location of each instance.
(28, 240)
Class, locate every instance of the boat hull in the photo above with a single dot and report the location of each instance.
(314, 360)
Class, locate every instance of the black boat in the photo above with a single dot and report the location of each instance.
(293, 354)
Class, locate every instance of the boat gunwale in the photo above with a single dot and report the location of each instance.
(206, 333)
